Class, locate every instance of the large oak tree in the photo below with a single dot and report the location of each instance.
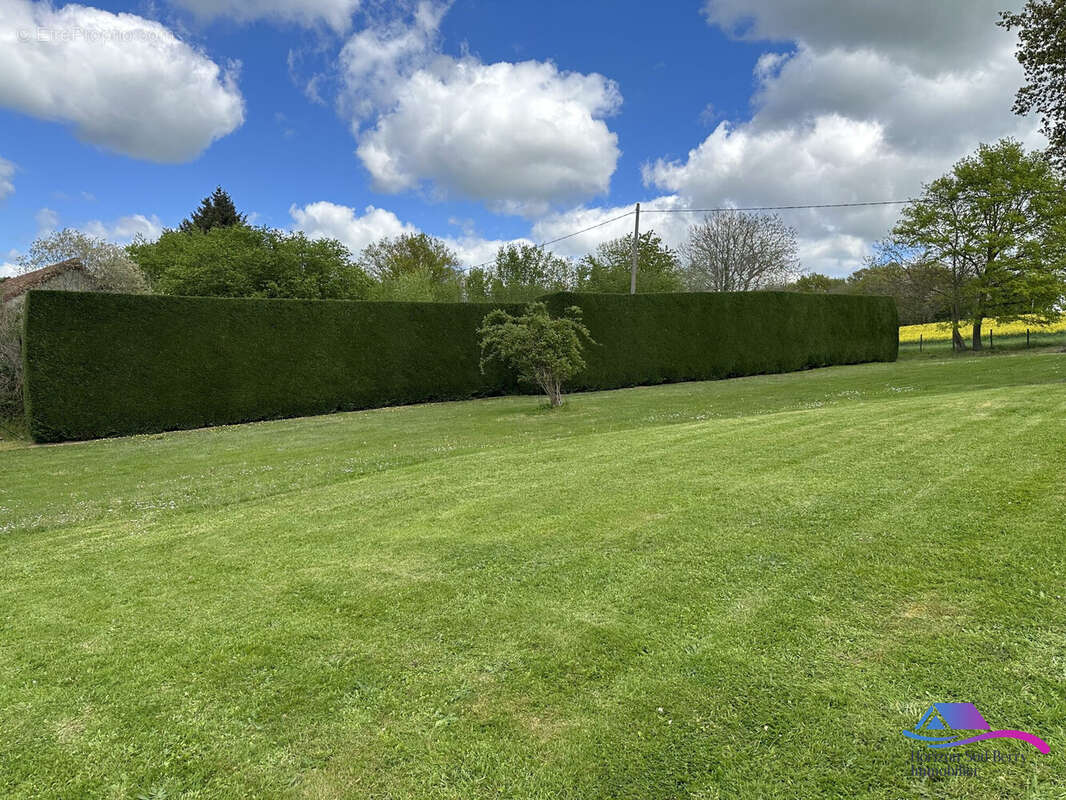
(997, 225)
(1041, 27)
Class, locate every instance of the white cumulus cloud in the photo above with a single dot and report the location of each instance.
(330, 220)
(476, 251)
(337, 14)
(868, 105)
(125, 83)
(519, 137)
(934, 36)
(323, 219)
(126, 229)
(8, 267)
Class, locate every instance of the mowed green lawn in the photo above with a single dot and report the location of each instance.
(738, 589)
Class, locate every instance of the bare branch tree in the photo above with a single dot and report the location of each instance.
(10, 359)
(108, 263)
(734, 251)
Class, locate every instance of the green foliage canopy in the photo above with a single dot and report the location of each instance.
(520, 273)
(818, 283)
(419, 286)
(917, 289)
(1041, 51)
(607, 269)
(245, 261)
(394, 256)
(412, 266)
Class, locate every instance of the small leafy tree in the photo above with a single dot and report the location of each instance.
(412, 266)
(523, 271)
(477, 286)
(520, 273)
(542, 349)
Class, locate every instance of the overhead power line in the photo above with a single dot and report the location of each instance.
(859, 204)
(773, 208)
(589, 228)
(798, 207)
(711, 211)
(570, 235)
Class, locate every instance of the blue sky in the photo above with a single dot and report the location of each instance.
(488, 121)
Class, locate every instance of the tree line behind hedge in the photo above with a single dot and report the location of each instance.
(241, 260)
(216, 253)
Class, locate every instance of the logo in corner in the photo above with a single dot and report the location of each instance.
(958, 719)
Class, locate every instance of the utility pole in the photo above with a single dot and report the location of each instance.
(633, 268)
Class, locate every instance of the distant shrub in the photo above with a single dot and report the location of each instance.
(418, 286)
(543, 350)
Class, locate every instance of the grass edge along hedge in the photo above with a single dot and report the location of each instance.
(101, 365)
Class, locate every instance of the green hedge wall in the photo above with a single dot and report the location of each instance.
(109, 364)
(105, 364)
(660, 338)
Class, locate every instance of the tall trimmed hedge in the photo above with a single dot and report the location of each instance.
(660, 338)
(105, 364)
(109, 364)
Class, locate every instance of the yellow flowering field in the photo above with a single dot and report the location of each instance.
(941, 332)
